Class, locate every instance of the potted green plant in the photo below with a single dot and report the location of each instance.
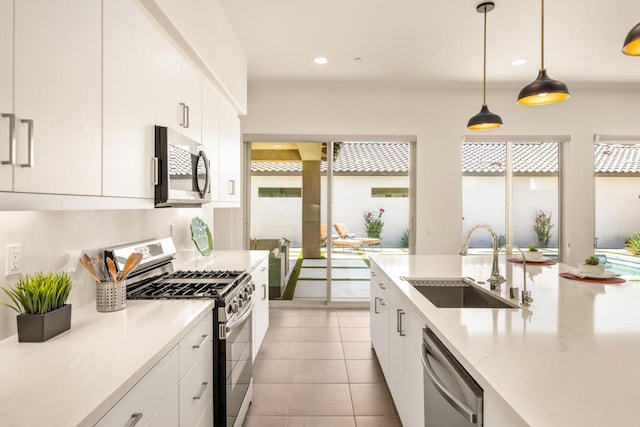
(40, 300)
(591, 265)
(533, 254)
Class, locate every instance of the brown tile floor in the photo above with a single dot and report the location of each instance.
(316, 369)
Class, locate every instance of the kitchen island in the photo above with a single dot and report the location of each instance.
(571, 358)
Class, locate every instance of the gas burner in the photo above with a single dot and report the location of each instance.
(209, 275)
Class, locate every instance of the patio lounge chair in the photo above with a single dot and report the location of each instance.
(344, 234)
(338, 242)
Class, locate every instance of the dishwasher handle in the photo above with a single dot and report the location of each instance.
(459, 406)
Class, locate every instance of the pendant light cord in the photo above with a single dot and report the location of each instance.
(542, 39)
(484, 74)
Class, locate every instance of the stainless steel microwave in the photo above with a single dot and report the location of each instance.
(182, 173)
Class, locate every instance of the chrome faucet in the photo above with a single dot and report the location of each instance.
(496, 278)
(513, 292)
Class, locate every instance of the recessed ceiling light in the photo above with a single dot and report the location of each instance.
(517, 62)
(320, 60)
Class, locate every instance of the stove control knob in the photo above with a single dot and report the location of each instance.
(240, 302)
(230, 309)
(235, 307)
(251, 286)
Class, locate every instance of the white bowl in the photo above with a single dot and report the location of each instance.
(591, 269)
(532, 255)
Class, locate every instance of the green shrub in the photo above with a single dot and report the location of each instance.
(542, 227)
(404, 240)
(632, 243)
(39, 294)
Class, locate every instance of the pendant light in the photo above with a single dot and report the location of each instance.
(632, 42)
(485, 119)
(543, 90)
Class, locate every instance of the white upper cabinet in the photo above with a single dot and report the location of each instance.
(142, 88)
(57, 76)
(229, 155)
(6, 91)
(205, 30)
(190, 111)
(210, 132)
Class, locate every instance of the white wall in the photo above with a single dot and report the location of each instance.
(53, 240)
(276, 217)
(438, 118)
(617, 210)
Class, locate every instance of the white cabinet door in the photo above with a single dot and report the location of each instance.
(260, 278)
(142, 88)
(6, 91)
(210, 132)
(396, 353)
(412, 414)
(57, 84)
(191, 102)
(229, 154)
(379, 307)
(196, 389)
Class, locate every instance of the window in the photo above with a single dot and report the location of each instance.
(390, 192)
(514, 188)
(279, 192)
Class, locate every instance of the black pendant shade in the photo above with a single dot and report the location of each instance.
(485, 119)
(543, 90)
(632, 42)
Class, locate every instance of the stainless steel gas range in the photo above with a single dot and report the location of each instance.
(232, 291)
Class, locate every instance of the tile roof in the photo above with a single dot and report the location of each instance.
(354, 158)
(478, 159)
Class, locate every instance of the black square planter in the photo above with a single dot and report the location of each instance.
(41, 327)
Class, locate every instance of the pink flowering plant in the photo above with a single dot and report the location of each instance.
(373, 223)
(542, 227)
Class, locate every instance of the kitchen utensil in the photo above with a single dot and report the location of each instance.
(112, 269)
(86, 263)
(131, 263)
(100, 268)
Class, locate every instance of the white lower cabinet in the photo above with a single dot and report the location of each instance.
(396, 335)
(150, 396)
(260, 277)
(178, 391)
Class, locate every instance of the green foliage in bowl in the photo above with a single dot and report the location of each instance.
(592, 260)
(632, 243)
(532, 247)
(39, 293)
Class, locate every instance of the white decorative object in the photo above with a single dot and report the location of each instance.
(591, 269)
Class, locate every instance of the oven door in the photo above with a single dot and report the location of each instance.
(237, 366)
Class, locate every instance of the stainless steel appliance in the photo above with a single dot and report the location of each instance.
(232, 318)
(181, 172)
(452, 398)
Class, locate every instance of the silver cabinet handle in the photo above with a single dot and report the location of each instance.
(203, 387)
(459, 406)
(12, 139)
(202, 341)
(382, 286)
(400, 313)
(232, 187)
(155, 171)
(187, 121)
(30, 161)
(183, 123)
(135, 417)
(375, 305)
(264, 292)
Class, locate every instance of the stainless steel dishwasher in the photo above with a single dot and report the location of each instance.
(452, 398)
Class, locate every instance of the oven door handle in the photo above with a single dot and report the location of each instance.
(241, 318)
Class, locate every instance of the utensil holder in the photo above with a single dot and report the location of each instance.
(111, 296)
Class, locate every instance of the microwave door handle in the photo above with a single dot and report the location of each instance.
(459, 406)
(207, 177)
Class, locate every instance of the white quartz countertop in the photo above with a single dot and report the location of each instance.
(77, 376)
(571, 358)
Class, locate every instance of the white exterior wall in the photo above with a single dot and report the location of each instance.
(276, 217)
(617, 210)
(437, 119)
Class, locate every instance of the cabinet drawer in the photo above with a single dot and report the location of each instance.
(148, 396)
(195, 343)
(196, 389)
(206, 420)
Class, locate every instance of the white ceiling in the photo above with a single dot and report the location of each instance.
(424, 43)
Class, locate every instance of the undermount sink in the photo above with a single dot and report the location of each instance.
(458, 293)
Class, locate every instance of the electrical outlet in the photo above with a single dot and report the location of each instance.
(13, 259)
